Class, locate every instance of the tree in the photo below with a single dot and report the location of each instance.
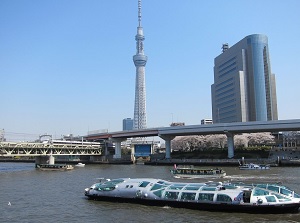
(196, 142)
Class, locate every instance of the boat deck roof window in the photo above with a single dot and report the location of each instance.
(105, 187)
(273, 188)
(144, 184)
(176, 186)
(158, 193)
(286, 192)
(209, 188)
(163, 182)
(108, 185)
(262, 186)
(157, 186)
(192, 188)
(230, 186)
(115, 181)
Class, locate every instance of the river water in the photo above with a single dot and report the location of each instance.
(30, 195)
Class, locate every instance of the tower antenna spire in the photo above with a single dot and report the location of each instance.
(140, 12)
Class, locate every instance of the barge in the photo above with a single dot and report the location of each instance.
(54, 167)
(190, 171)
(253, 166)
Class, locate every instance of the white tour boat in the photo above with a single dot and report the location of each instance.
(232, 197)
(252, 166)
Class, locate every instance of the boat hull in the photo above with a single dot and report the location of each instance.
(224, 207)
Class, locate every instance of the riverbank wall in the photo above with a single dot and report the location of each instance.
(171, 162)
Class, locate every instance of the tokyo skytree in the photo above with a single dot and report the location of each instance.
(140, 60)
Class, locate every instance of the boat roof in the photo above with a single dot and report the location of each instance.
(204, 186)
(195, 167)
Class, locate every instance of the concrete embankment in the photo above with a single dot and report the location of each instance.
(289, 162)
(222, 162)
(196, 162)
(170, 162)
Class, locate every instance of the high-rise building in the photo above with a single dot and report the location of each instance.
(127, 124)
(140, 60)
(244, 88)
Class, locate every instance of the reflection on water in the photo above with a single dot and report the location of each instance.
(50, 196)
(11, 167)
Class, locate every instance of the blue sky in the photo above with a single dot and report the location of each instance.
(66, 65)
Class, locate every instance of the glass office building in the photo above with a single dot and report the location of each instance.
(127, 124)
(244, 88)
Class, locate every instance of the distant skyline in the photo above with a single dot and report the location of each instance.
(66, 65)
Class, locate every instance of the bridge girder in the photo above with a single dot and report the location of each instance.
(10, 149)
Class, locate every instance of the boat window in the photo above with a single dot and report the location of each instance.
(262, 186)
(104, 188)
(230, 186)
(271, 198)
(280, 197)
(209, 188)
(157, 186)
(296, 195)
(176, 186)
(187, 196)
(171, 195)
(286, 192)
(192, 188)
(158, 193)
(116, 181)
(163, 182)
(273, 188)
(260, 192)
(223, 198)
(144, 184)
(108, 185)
(205, 197)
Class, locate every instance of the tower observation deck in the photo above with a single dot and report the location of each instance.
(140, 60)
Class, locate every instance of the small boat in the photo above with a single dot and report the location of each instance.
(252, 166)
(211, 196)
(60, 167)
(189, 171)
(80, 165)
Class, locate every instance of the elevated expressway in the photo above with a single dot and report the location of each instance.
(169, 133)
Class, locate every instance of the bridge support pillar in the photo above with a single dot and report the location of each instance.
(118, 148)
(51, 160)
(230, 144)
(42, 160)
(168, 140)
